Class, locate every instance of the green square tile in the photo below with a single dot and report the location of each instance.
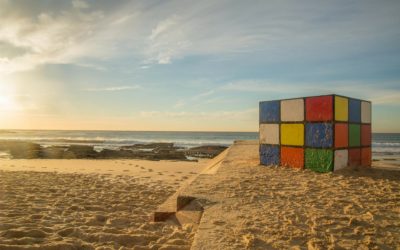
(354, 135)
(319, 160)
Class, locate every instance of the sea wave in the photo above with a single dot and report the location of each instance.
(116, 142)
(386, 144)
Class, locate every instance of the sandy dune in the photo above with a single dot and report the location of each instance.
(89, 204)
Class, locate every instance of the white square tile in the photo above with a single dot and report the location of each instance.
(292, 110)
(365, 112)
(269, 133)
(341, 159)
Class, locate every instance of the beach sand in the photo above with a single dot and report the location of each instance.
(107, 204)
(90, 204)
(249, 206)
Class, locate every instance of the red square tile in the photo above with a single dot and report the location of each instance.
(366, 157)
(341, 135)
(354, 157)
(365, 135)
(319, 108)
(292, 157)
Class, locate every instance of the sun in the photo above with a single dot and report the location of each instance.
(7, 103)
(7, 98)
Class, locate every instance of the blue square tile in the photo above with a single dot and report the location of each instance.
(354, 110)
(319, 135)
(269, 154)
(270, 111)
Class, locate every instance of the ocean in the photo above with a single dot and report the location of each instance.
(382, 143)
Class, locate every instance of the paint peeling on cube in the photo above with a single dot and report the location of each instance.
(319, 160)
(319, 108)
(269, 154)
(269, 111)
(319, 135)
(292, 157)
(341, 159)
(292, 110)
(269, 133)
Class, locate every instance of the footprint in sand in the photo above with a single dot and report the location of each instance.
(142, 167)
(172, 175)
(179, 172)
(192, 173)
(130, 164)
(150, 170)
(126, 170)
(136, 166)
(159, 173)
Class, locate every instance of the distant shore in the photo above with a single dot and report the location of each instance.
(153, 151)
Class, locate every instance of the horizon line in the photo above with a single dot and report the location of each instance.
(188, 131)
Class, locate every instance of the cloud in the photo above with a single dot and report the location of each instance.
(46, 38)
(80, 4)
(163, 32)
(378, 92)
(116, 88)
(240, 115)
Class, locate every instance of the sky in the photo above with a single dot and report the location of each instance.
(191, 65)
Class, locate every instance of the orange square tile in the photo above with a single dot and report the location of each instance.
(292, 157)
(341, 135)
(366, 157)
(365, 135)
(355, 157)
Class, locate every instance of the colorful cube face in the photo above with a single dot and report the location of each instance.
(292, 110)
(319, 109)
(269, 111)
(292, 134)
(322, 133)
(292, 157)
(269, 154)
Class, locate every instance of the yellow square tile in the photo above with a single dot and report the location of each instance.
(341, 108)
(292, 134)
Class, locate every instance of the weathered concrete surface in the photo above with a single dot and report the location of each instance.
(181, 209)
(249, 206)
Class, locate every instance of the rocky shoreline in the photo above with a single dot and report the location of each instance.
(153, 151)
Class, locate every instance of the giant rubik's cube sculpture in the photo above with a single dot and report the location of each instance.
(321, 133)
